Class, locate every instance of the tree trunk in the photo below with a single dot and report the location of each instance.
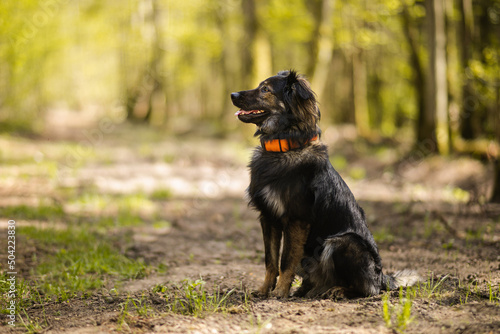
(324, 49)
(226, 69)
(156, 99)
(316, 9)
(426, 131)
(425, 125)
(495, 197)
(440, 75)
(147, 98)
(360, 99)
(250, 33)
(467, 130)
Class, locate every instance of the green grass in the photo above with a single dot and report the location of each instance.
(95, 203)
(191, 298)
(41, 212)
(432, 288)
(398, 316)
(141, 306)
(79, 253)
(80, 260)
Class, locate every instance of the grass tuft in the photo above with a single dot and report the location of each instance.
(191, 298)
(398, 316)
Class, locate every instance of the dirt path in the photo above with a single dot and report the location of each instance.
(427, 215)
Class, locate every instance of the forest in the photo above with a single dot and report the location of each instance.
(429, 68)
(123, 167)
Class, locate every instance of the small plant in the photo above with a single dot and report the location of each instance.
(191, 298)
(123, 314)
(494, 293)
(398, 317)
(142, 307)
(31, 325)
(431, 287)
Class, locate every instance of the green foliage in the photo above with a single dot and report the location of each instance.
(290, 16)
(181, 58)
(83, 260)
(191, 298)
(398, 316)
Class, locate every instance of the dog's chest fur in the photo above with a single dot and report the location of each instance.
(280, 183)
(273, 201)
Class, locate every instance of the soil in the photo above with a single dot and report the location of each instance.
(413, 207)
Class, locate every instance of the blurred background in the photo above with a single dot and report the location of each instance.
(426, 71)
(121, 158)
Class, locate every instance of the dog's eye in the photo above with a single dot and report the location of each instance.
(264, 89)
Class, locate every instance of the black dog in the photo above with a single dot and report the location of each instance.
(302, 199)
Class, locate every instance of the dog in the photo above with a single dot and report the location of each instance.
(303, 200)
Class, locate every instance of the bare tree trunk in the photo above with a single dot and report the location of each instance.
(226, 68)
(495, 197)
(250, 24)
(360, 99)
(467, 130)
(424, 130)
(146, 100)
(156, 100)
(316, 9)
(440, 74)
(319, 72)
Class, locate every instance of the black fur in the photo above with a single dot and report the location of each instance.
(304, 201)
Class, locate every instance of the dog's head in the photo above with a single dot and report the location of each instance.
(280, 104)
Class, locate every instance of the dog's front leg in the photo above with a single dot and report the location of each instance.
(294, 238)
(272, 231)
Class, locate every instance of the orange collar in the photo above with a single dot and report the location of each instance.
(285, 145)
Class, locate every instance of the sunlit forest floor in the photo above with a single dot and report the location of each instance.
(123, 228)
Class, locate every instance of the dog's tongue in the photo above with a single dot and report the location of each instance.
(245, 112)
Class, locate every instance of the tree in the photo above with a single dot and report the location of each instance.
(149, 93)
(495, 197)
(321, 45)
(432, 124)
(359, 93)
(424, 131)
(250, 33)
(467, 127)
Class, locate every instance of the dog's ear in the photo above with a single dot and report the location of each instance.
(299, 86)
(296, 85)
(300, 99)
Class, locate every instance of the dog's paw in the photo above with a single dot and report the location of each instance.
(337, 292)
(280, 292)
(260, 293)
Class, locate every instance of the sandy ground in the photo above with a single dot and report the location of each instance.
(419, 218)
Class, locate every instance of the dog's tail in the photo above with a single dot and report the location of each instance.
(405, 277)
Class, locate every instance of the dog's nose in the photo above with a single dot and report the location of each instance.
(234, 96)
